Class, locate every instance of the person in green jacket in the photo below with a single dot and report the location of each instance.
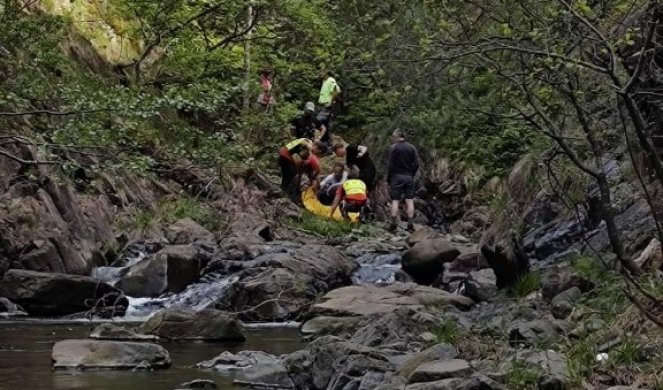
(329, 92)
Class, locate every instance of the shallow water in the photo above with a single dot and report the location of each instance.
(25, 358)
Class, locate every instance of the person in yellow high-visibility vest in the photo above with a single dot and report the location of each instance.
(352, 195)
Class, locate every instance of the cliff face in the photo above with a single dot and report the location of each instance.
(99, 23)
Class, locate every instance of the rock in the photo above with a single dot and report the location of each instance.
(532, 332)
(251, 368)
(206, 325)
(169, 270)
(425, 260)
(368, 300)
(481, 285)
(186, 231)
(652, 256)
(550, 362)
(552, 382)
(360, 370)
(554, 238)
(107, 331)
(10, 309)
(476, 382)
(197, 384)
(440, 351)
(325, 325)
(562, 303)
(558, 279)
(46, 226)
(329, 362)
(402, 330)
(505, 256)
(278, 286)
(466, 262)
(421, 235)
(48, 294)
(440, 369)
(96, 354)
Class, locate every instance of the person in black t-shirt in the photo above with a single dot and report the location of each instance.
(357, 155)
(305, 125)
(403, 166)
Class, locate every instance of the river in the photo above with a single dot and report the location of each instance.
(25, 358)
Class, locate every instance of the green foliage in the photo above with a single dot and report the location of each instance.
(322, 226)
(187, 207)
(581, 359)
(521, 377)
(143, 220)
(527, 284)
(447, 332)
(628, 353)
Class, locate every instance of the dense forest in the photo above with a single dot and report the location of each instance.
(539, 127)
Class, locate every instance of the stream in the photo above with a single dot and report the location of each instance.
(25, 358)
(25, 345)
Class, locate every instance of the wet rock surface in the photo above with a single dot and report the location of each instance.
(424, 261)
(9, 309)
(205, 325)
(115, 355)
(251, 368)
(109, 331)
(171, 269)
(47, 294)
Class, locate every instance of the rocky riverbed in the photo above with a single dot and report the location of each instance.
(373, 310)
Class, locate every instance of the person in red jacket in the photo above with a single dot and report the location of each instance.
(311, 168)
(291, 159)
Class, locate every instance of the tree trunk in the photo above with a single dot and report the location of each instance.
(605, 203)
(247, 59)
(641, 132)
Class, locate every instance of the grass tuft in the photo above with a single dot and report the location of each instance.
(447, 332)
(521, 377)
(527, 284)
(322, 226)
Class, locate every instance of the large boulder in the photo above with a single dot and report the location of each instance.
(169, 270)
(47, 226)
(365, 300)
(481, 285)
(278, 286)
(332, 363)
(504, 254)
(556, 280)
(48, 294)
(563, 303)
(440, 369)
(466, 262)
(251, 368)
(207, 325)
(186, 231)
(425, 260)
(532, 332)
(94, 354)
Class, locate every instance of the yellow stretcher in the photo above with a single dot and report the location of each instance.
(312, 204)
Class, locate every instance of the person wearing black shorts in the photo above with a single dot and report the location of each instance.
(403, 166)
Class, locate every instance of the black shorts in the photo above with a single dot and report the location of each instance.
(401, 187)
